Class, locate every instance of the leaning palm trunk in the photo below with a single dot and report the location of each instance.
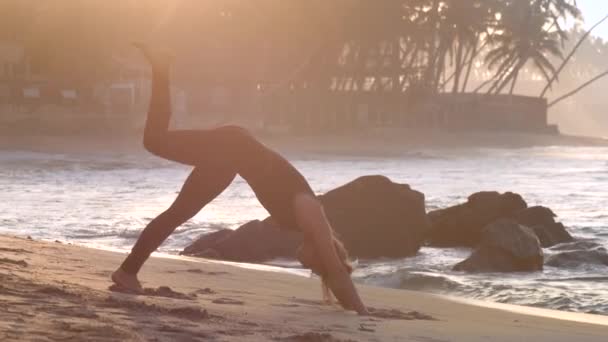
(513, 84)
(567, 59)
(482, 85)
(512, 76)
(474, 54)
(502, 73)
(459, 67)
(575, 91)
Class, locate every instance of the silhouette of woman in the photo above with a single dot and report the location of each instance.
(218, 155)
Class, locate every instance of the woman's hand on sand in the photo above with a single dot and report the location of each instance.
(345, 292)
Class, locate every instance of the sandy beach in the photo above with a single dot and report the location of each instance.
(52, 291)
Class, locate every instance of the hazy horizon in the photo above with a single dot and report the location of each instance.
(178, 24)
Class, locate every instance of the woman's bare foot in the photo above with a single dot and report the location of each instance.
(126, 281)
(156, 57)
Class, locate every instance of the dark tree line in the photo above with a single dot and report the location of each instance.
(396, 46)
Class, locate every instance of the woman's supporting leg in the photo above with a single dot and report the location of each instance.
(212, 174)
(314, 224)
(201, 187)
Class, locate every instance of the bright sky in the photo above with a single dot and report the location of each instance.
(594, 11)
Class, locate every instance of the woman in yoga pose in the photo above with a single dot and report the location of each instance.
(218, 155)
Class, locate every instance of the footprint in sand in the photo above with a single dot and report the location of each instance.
(307, 301)
(208, 273)
(71, 311)
(205, 291)
(14, 250)
(163, 291)
(398, 314)
(58, 292)
(105, 274)
(191, 313)
(367, 327)
(284, 305)
(228, 301)
(21, 263)
(166, 291)
(427, 339)
(311, 337)
(95, 332)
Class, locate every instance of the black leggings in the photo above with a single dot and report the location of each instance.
(218, 155)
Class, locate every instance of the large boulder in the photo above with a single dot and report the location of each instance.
(552, 234)
(373, 216)
(207, 241)
(254, 241)
(461, 225)
(506, 246)
(542, 221)
(535, 216)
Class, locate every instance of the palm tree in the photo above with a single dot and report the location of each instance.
(466, 22)
(522, 37)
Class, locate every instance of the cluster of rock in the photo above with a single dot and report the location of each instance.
(373, 217)
(376, 218)
(507, 235)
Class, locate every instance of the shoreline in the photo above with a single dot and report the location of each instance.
(261, 267)
(57, 291)
(304, 273)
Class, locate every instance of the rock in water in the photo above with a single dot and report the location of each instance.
(552, 234)
(373, 216)
(254, 241)
(542, 221)
(506, 246)
(461, 225)
(535, 216)
(207, 241)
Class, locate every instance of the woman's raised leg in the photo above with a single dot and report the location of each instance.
(189, 147)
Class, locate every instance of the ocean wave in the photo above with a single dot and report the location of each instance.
(579, 258)
(577, 245)
(62, 162)
(578, 294)
(94, 234)
(583, 279)
(418, 281)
